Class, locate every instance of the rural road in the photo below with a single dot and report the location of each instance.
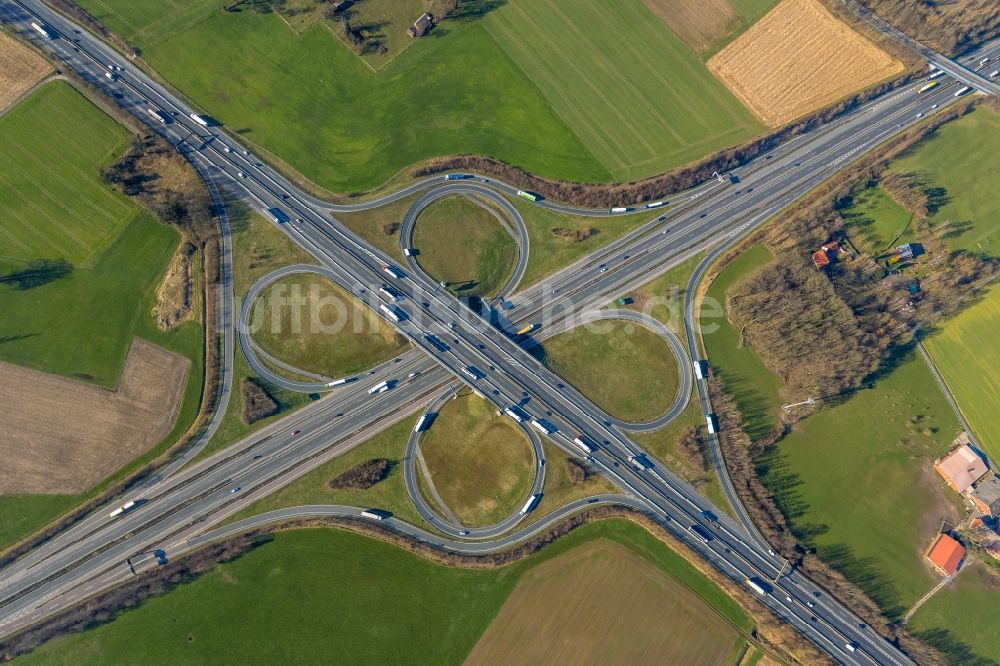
(179, 510)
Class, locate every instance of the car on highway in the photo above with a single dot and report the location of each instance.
(295, 432)
(810, 604)
(235, 490)
(603, 267)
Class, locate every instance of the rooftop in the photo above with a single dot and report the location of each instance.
(946, 554)
(961, 468)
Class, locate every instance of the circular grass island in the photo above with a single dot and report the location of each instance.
(625, 369)
(464, 244)
(481, 465)
(308, 322)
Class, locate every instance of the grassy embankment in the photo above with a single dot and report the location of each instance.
(464, 245)
(753, 386)
(258, 249)
(371, 602)
(517, 98)
(626, 369)
(480, 463)
(81, 325)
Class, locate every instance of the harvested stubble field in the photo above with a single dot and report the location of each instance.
(571, 609)
(797, 59)
(699, 24)
(21, 70)
(63, 436)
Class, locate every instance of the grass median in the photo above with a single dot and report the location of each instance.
(626, 369)
(480, 463)
(463, 244)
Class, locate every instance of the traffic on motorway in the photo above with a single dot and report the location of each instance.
(461, 346)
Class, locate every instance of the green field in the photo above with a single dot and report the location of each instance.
(967, 355)
(638, 98)
(960, 620)
(370, 602)
(313, 487)
(53, 203)
(617, 96)
(81, 325)
(464, 244)
(480, 463)
(455, 91)
(878, 221)
(955, 165)
(313, 324)
(856, 481)
(752, 385)
(626, 369)
(550, 252)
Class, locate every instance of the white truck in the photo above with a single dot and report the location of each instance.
(584, 443)
(158, 115)
(340, 382)
(757, 586)
(530, 504)
(44, 30)
(640, 462)
(472, 372)
(124, 508)
(711, 423)
(699, 369)
(381, 387)
(423, 423)
(201, 120)
(543, 426)
(515, 413)
(375, 514)
(961, 91)
(391, 272)
(392, 312)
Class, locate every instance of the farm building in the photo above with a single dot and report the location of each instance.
(961, 468)
(826, 254)
(986, 496)
(420, 26)
(945, 554)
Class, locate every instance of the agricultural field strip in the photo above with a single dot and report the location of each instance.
(26, 155)
(583, 125)
(623, 51)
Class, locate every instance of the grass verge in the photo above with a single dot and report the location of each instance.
(480, 463)
(463, 244)
(371, 601)
(626, 369)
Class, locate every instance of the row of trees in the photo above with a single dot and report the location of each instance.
(951, 27)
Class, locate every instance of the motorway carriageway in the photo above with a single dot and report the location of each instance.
(343, 248)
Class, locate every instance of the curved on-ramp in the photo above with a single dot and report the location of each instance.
(445, 524)
(685, 375)
(467, 189)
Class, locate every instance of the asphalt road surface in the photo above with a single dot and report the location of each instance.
(186, 504)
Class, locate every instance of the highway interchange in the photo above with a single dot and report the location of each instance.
(177, 509)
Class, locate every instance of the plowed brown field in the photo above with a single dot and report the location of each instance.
(58, 435)
(601, 603)
(797, 59)
(700, 23)
(20, 69)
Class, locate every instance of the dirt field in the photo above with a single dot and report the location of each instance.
(61, 436)
(699, 23)
(573, 609)
(796, 59)
(21, 69)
